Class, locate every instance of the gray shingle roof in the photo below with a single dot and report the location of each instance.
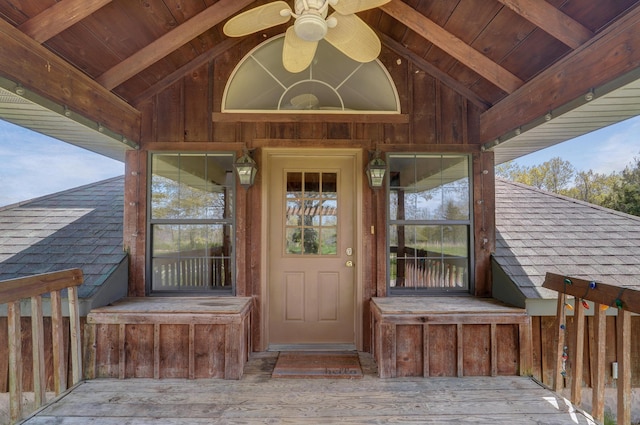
(539, 232)
(80, 227)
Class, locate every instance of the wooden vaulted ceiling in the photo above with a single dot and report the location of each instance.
(514, 59)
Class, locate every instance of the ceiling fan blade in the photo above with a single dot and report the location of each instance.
(353, 37)
(346, 7)
(297, 53)
(257, 19)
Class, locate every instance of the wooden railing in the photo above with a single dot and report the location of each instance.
(192, 269)
(626, 301)
(428, 272)
(34, 287)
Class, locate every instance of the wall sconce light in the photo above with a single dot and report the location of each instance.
(246, 169)
(376, 169)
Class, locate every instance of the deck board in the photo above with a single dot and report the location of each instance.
(259, 399)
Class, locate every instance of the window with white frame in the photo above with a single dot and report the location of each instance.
(429, 223)
(191, 224)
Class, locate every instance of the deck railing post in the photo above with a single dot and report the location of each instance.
(623, 337)
(37, 336)
(74, 335)
(558, 378)
(57, 343)
(598, 372)
(578, 352)
(15, 361)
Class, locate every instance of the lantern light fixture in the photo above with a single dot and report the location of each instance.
(376, 169)
(246, 169)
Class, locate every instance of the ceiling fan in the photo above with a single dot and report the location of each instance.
(342, 29)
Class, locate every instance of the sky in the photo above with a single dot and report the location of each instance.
(604, 151)
(34, 165)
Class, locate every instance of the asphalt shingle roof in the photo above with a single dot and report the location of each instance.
(539, 232)
(80, 227)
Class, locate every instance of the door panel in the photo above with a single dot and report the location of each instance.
(311, 289)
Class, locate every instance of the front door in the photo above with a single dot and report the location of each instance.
(311, 255)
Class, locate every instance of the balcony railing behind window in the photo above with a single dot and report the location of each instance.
(192, 271)
(423, 269)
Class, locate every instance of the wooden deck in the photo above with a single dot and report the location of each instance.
(259, 399)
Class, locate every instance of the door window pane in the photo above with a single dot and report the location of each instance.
(311, 223)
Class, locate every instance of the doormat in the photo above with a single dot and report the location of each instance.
(313, 364)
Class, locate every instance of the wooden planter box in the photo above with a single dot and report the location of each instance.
(169, 338)
(449, 336)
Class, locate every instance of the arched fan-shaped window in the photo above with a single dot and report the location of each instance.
(332, 83)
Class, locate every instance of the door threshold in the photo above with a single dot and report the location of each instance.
(312, 347)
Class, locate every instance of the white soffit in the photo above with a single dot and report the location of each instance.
(31, 111)
(571, 121)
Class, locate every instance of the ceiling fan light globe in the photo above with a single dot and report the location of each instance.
(310, 27)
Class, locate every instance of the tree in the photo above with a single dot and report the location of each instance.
(557, 174)
(626, 194)
(553, 175)
(509, 170)
(618, 191)
(593, 187)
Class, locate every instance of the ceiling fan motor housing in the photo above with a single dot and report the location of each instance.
(310, 27)
(310, 24)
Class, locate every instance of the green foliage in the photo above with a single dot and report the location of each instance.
(592, 187)
(619, 191)
(553, 175)
(609, 418)
(626, 194)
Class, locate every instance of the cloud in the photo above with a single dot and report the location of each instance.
(617, 149)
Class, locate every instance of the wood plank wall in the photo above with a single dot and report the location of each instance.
(543, 329)
(27, 371)
(179, 118)
(542, 332)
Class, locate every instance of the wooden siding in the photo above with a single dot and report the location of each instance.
(179, 118)
(449, 336)
(542, 329)
(169, 338)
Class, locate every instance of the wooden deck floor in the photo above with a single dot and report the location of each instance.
(259, 399)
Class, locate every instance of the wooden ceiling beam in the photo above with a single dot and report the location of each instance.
(435, 72)
(171, 41)
(610, 54)
(179, 73)
(57, 18)
(551, 20)
(40, 70)
(452, 45)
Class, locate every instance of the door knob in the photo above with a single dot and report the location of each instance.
(349, 263)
